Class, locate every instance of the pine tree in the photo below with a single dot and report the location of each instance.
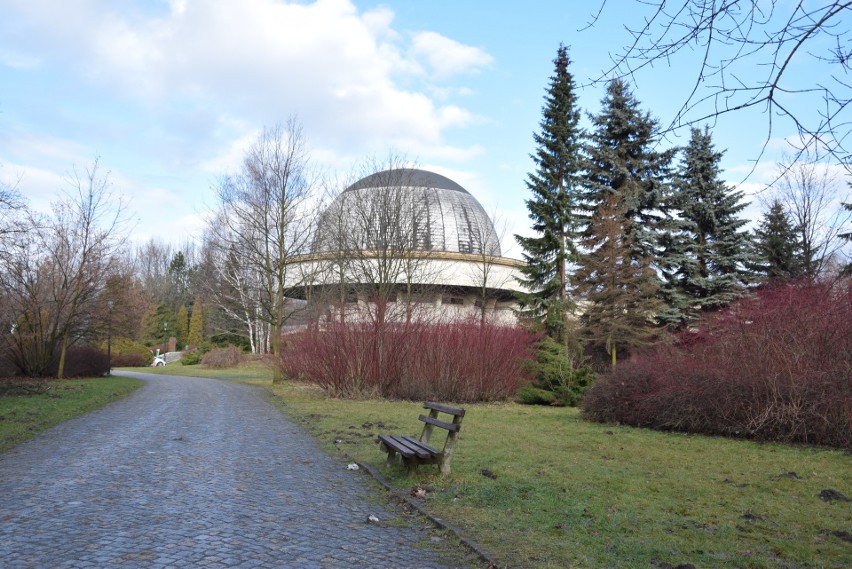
(552, 208)
(182, 326)
(196, 324)
(777, 244)
(707, 254)
(620, 290)
(622, 162)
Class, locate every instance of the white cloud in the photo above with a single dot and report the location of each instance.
(171, 93)
(263, 60)
(447, 57)
(231, 159)
(40, 187)
(34, 148)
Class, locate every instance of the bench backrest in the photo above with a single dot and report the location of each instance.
(431, 421)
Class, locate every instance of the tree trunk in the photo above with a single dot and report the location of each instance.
(60, 372)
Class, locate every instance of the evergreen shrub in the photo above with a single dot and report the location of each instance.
(531, 395)
(773, 367)
(128, 353)
(227, 339)
(191, 358)
(556, 372)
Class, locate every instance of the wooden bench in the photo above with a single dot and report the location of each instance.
(414, 452)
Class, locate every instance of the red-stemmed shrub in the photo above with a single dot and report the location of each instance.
(458, 361)
(81, 361)
(776, 366)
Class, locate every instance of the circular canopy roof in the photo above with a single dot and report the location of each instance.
(407, 209)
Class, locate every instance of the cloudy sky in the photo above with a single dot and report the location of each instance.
(169, 93)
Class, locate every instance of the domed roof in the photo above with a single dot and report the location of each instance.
(407, 209)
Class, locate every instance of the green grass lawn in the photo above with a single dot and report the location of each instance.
(569, 493)
(253, 370)
(23, 416)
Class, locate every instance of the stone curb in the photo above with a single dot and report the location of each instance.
(397, 493)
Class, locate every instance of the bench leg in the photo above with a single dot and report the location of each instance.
(391, 457)
(447, 455)
(411, 465)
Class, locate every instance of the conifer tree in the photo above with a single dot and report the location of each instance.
(158, 324)
(625, 188)
(620, 290)
(777, 244)
(196, 324)
(707, 253)
(182, 326)
(622, 162)
(552, 209)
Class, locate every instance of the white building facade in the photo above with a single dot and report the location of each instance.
(411, 242)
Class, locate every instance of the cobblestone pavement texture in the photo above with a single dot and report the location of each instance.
(191, 472)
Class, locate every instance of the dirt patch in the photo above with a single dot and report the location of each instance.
(830, 495)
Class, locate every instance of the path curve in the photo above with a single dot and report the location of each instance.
(192, 472)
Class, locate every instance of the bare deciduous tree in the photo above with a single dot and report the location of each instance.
(265, 221)
(810, 192)
(748, 52)
(59, 267)
(485, 273)
(233, 286)
(12, 211)
(167, 271)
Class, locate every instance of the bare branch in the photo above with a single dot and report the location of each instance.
(748, 48)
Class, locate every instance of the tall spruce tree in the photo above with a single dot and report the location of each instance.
(707, 254)
(620, 290)
(777, 244)
(552, 209)
(622, 161)
(625, 188)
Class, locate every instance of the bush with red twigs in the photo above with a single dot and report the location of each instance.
(776, 366)
(469, 361)
(82, 361)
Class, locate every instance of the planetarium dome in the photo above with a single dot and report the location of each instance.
(408, 204)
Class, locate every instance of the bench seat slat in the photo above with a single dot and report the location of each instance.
(397, 443)
(405, 447)
(455, 411)
(439, 423)
(420, 444)
(392, 445)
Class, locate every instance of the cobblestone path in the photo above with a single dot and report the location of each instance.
(190, 472)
